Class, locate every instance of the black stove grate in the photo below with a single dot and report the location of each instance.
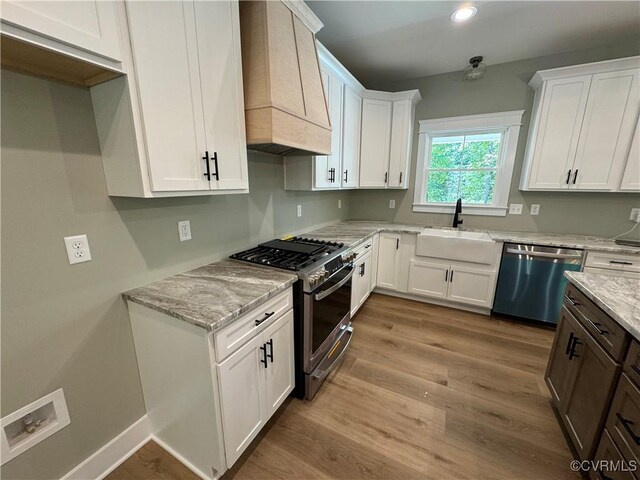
(292, 254)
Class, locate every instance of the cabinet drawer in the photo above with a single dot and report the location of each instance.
(363, 247)
(247, 326)
(623, 422)
(609, 455)
(615, 261)
(611, 336)
(632, 363)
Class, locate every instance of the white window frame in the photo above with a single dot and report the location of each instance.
(507, 122)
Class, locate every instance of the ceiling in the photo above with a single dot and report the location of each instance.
(394, 40)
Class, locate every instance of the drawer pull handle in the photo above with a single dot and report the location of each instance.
(270, 355)
(265, 318)
(635, 368)
(571, 346)
(627, 426)
(263, 360)
(597, 326)
(619, 262)
(572, 301)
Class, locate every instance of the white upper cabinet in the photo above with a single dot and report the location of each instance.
(374, 144)
(631, 176)
(175, 125)
(327, 167)
(351, 138)
(68, 26)
(387, 134)
(581, 127)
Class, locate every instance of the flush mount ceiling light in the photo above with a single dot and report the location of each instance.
(463, 14)
(476, 69)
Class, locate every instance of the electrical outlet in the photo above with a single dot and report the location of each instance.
(299, 210)
(77, 249)
(184, 230)
(392, 204)
(635, 215)
(339, 203)
(515, 209)
(535, 209)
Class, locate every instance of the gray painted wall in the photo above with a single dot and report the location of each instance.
(67, 326)
(504, 88)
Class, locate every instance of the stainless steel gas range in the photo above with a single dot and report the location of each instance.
(322, 303)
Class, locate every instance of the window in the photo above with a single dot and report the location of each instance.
(468, 157)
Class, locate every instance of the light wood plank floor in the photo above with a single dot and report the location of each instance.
(425, 392)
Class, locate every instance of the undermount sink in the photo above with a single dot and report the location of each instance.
(457, 245)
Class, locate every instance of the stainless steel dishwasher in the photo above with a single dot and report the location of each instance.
(531, 280)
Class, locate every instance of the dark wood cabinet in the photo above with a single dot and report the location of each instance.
(581, 376)
(609, 453)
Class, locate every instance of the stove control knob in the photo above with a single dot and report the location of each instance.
(325, 274)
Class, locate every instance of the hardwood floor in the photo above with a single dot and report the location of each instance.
(424, 392)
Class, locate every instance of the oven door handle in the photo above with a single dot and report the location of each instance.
(321, 375)
(329, 291)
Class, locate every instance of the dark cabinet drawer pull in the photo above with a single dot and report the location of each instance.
(446, 276)
(266, 317)
(207, 174)
(572, 301)
(568, 177)
(620, 262)
(574, 341)
(635, 368)
(575, 176)
(270, 355)
(627, 426)
(597, 326)
(263, 360)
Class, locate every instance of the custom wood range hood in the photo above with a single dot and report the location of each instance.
(285, 108)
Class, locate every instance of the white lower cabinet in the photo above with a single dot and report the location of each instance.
(455, 282)
(361, 284)
(388, 260)
(208, 395)
(254, 381)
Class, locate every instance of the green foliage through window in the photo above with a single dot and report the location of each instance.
(463, 166)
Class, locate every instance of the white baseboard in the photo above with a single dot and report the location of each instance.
(111, 455)
(183, 460)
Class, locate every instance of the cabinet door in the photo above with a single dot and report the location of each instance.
(388, 253)
(374, 143)
(87, 25)
(399, 153)
(220, 71)
(242, 395)
(631, 176)
(361, 282)
(609, 455)
(322, 175)
(351, 122)
(557, 132)
(558, 372)
(166, 69)
(430, 279)
(279, 373)
(607, 129)
(472, 286)
(590, 388)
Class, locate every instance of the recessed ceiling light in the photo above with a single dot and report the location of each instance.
(463, 14)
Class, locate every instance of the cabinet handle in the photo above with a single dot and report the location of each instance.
(575, 176)
(568, 349)
(597, 326)
(635, 368)
(574, 341)
(362, 270)
(346, 176)
(263, 360)
(206, 163)
(627, 426)
(619, 262)
(446, 276)
(568, 177)
(385, 176)
(367, 246)
(270, 355)
(215, 163)
(400, 181)
(397, 243)
(451, 276)
(572, 301)
(263, 319)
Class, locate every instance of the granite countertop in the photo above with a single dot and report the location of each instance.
(352, 233)
(212, 296)
(617, 296)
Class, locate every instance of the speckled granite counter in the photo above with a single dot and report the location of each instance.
(617, 296)
(354, 232)
(213, 296)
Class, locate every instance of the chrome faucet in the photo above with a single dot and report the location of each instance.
(456, 217)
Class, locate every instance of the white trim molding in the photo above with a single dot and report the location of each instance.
(507, 123)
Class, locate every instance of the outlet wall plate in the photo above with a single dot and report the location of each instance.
(299, 210)
(77, 249)
(635, 215)
(184, 230)
(392, 203)
(515, 209)
(339, 203)
(51, 409)
(535, 209)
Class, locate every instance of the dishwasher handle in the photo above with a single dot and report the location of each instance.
(518, 251)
